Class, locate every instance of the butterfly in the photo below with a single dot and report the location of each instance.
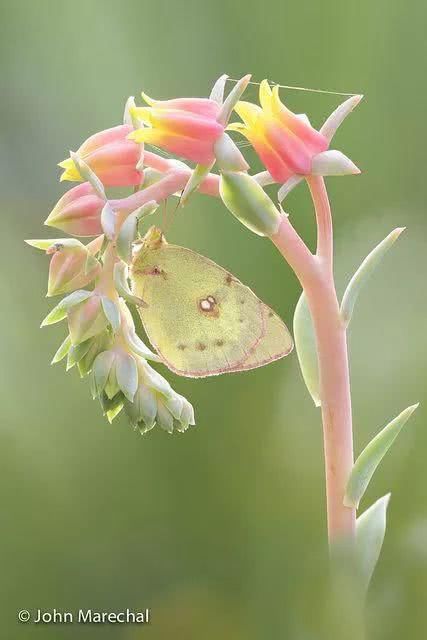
(200, 319)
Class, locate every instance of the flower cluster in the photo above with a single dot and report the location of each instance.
(101, 340)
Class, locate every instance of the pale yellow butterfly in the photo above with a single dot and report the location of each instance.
(200, 319)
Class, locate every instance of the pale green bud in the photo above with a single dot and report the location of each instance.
(247, 200)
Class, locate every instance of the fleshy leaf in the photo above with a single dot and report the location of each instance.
(364, 272)
(305, 344)
(370, 532)
(366, 464)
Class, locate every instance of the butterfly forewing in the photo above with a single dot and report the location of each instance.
(201, 320)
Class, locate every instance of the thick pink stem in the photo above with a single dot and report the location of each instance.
(316, 277)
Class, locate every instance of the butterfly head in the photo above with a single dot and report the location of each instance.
(154, 238)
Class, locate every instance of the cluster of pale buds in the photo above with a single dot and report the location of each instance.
(103, 344)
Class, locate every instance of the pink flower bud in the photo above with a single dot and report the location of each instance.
(68, 267)
(78, 212)
(111, 155)
(186, 127)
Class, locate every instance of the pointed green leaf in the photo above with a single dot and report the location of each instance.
(370, 532)
(59, 312)
(62, 351)
(127, 375)
(305, 344)
(364, 272)
(112, 313)
(366, 464)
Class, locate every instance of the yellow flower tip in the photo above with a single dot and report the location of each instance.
(147, 99)
(65, 164)
(138, 135)
(265, 95)
(248, 112)
(143, 113)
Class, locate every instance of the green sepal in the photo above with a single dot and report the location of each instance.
(305, 344)
(217, 93)
(111, 407)
(112, 313)
(122, 286)
(87, 174)
(129, 230)
(77, 352)
(370, 532)
(90, 264)
(108, 221)
(366, 464)
(363, 274)
(101, 370)
(198, 174)
(62, 351)
(59, 312)
(98, 344)
(232, 99)
(127, 375)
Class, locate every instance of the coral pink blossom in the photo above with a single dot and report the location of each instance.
(111, 155)
(186, 127)
(285, 142)
(78, 212)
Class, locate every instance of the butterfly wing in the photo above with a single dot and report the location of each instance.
(201, 320)
(275, 343)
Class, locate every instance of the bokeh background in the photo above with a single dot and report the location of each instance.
(221, 532)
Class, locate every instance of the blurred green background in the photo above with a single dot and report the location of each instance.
(221, 532)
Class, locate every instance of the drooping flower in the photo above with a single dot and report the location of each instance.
(78, 212)
(286, 143)
(112, 157)
(186, 127)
